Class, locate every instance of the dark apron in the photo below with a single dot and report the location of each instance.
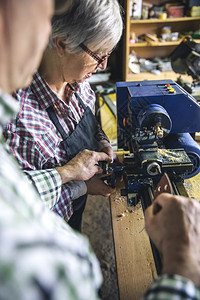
(83, 137)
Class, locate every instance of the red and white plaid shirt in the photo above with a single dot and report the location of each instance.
(35, 141)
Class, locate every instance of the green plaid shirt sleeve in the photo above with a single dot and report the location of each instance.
(172, 287)
(41, 257)
(48, 184)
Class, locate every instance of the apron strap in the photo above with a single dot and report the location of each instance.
(80, 100)
(56, 122)
(54, 118)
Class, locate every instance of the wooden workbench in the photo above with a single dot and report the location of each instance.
(135, 266)
(134, 260)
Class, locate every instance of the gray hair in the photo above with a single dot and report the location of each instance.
(96, 23)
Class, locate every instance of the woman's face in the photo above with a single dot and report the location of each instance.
(79, 67)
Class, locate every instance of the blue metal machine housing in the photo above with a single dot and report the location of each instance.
(141, 103)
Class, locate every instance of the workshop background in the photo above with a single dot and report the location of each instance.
(152, 31)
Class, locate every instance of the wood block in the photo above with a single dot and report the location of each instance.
(135, 264)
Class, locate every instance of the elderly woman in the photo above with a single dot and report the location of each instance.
(56, 119)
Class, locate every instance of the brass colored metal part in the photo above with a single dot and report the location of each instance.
(159, 130)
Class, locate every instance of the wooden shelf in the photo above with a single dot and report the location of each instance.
(169, 20)
(150, 50)
(162, 76)
(157, 44)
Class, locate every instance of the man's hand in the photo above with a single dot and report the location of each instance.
(83, 166)
(95, 186)
(175, 230)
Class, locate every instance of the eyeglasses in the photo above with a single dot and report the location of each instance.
(93, 55)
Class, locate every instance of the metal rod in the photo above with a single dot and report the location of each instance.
(146, 200)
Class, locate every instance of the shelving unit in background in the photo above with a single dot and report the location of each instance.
(155, 49)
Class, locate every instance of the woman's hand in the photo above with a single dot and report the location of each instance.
(109, 150)
(83, 166)
(96, 186)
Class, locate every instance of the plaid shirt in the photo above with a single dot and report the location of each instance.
(41, 257)
(172, 287)
(36, 143)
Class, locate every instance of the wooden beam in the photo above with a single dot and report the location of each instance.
(135, 264)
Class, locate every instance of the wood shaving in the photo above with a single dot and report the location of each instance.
(121, 215)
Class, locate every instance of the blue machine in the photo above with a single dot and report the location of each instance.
(158, 114)
(155, 120)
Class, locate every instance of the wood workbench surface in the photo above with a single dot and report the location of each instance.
(135, 264)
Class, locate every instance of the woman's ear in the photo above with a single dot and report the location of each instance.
(60, 46)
